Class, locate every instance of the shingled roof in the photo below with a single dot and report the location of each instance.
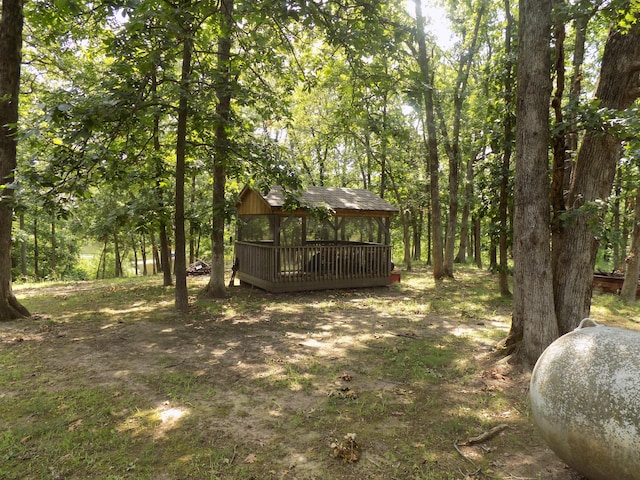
(336, 198)
(342, 201)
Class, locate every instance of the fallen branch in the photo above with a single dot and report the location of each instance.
(406, 335)
(483, 437)
(477, 471)
(175, 364)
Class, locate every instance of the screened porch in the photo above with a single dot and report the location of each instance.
(284, 251)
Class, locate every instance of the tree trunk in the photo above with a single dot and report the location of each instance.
(437, 244)
(630, 285)
(533, 313)
(460, 94)
(135, 254)
(580, 26)
(406, 237)
(180, 266)
(157, 266)
(429, 237)
(417, 234)
(558, 140)
(594, 171)
(503, 205)
(23, 249)
(463, 247)
(53, 260)
(192, 229)
(477, 242)
(36, 248)
(117, 260)
(163, 263)
(224, 87)
(143, 251)
(10, 59)
(616, 233)
(102, 261)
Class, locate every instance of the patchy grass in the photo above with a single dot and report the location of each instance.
(108, 381)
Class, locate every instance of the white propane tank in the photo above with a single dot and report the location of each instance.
(585, 399)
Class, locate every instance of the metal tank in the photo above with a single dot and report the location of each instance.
(585, 399)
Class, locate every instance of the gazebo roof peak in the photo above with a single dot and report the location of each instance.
(338, 199)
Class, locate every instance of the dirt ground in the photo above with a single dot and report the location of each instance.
(242, 349)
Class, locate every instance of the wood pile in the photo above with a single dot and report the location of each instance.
(199, 267)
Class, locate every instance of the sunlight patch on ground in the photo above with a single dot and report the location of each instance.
(155, 422)
(136, 308)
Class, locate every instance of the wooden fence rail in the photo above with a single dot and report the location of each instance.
(311, 267)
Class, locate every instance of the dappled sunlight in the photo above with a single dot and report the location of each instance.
(259, 381)
(137, 308)
(154, 422)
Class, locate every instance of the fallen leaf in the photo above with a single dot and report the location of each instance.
(251, 458)
(348, 450)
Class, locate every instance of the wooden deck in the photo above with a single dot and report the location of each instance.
(610, 283)
(314, 266)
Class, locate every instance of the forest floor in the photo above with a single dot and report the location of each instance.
(107, 381)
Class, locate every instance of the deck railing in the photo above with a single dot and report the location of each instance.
(313, 265)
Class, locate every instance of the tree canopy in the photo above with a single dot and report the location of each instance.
(141, 121)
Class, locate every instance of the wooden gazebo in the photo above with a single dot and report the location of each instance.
(282, 250)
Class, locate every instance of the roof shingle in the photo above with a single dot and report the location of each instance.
(336, 198)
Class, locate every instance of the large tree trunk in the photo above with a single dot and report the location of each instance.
(593, 176)
(503, 205)
(10, 58)
(437, 244)
(180, 266)
(533, 313)
(216, 287)
(630, 285)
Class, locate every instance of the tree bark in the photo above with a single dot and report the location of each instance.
(224, 87)
(180, 266)
(477, 242)
(10, 59)
(631, 273)
(593, 176)
(163, 263)
(503, 205)
(580, 26)
(533, 314)
(23, 249)
(437, 244)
